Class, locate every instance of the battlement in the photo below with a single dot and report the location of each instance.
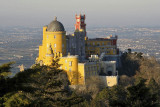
(107, 38)
(80, 16)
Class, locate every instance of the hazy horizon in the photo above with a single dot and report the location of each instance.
(98, 13)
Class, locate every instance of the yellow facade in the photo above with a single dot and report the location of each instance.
(96, 47)
(81, 73)
(111, 80)
(57, 41)
(92, 69)
(70, 65)
(86, 70)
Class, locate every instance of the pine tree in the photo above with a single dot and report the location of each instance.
(138, 95)
(40, 86)
(5, 72)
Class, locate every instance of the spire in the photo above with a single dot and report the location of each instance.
(55, 18)
(49, 50)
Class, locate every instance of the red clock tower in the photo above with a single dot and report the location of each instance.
(80, 23)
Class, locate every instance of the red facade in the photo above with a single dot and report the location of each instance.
(115, 42)
(80, 22)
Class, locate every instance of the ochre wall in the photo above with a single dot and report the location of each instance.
(81, 74)
(112, 80)
(57, 40)
(72, 70)
(93, 47)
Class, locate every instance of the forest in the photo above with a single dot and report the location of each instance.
(48, 86)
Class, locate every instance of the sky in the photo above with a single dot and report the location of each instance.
(98, 12)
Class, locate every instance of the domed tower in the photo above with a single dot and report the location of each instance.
(53, 34)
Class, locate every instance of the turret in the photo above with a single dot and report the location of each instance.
(49, 55)
(80, 23)
(49, 50)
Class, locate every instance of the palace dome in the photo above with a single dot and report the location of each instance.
(55, 26)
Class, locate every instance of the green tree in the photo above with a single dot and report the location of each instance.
(117, 96)
(17, 99)
(139, 95)
(103, 97)
(40, 86)
(154, 89)
(5, 72)
(130, 63)
(129, 51)
(94, 85)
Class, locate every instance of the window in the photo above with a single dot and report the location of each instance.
(54, 36)
(86, 74)
(60, 67)
(55, 50)
(107, 52)
(69, 69)
(65, 61)
(88, 68)
(70, 63)
(65, 67)
(114, 51)
(92, 68)
(54, 45)
(47, 36)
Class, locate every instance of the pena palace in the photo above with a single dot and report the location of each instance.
(79, 56)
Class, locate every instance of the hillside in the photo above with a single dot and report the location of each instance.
(49, 86)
